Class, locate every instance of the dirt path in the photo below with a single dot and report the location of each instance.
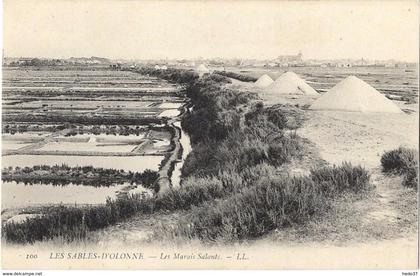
(389, 212)
(359, 138)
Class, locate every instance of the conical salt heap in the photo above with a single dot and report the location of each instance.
(264, 81)
(353, 94)
(202, 69)
(290, 83)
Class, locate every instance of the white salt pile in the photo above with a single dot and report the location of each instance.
(264, 81)
(353, 94)
(290, 83)
(202, 69)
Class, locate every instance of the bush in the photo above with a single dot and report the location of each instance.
(194, 191)
(411, 178)
(402, 161)
(399, 161)
(337, 179)
(254, 211)
(236, 76)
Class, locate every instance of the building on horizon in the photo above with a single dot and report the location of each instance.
(290, 58)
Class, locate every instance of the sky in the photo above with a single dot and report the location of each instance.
(132, 29)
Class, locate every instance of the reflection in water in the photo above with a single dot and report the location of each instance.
(21, 195)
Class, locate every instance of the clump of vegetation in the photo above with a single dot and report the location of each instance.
(237, 76)
(82, 119)
(174, 75)
(252, 212)
(411, 177)
(73, 223)
(79, 175)
(402, 161)
(398, 161)
(337, 179)
(272, 203)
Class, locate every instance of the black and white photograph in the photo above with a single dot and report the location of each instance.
(200, 135)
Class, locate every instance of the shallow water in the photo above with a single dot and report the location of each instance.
(132, 163)
(170, 105)
(85, 104)
(16, 194)
(186, 149)
(170, 113)
(13, 145)
(105, 137)
(69, 146)
(159, 144)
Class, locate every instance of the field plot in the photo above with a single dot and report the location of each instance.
(82, 117)
(89, 91)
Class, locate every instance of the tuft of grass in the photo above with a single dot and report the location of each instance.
(399, 161)
(337, 179)
(402, 161)
(411, 177)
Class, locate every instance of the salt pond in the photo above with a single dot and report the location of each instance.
(170, 113)
(12, 145)
(68, 146)
(132, 163)
(170, 105)
(104, 137)
(15, 194)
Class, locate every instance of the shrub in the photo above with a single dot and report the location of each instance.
(286, 116)
(399, 161)
(411, 178)
(194, 191)
(237, 76)
(254, 211)
(402, 161)
(337, 179)
(283, 148)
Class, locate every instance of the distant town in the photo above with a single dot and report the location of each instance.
(281, 61)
